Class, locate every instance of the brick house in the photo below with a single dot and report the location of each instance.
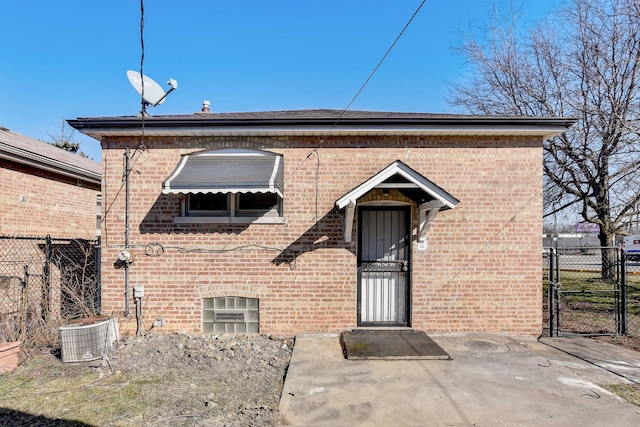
(320, 221)
(48, 211)
(45, 189)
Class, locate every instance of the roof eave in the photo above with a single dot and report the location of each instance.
(99, 128)
(35, 160)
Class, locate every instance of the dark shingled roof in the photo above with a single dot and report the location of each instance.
(318, 114)
(318, 122)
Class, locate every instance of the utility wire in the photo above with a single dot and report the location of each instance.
(142, 102)
(140, 147)
(142, 54)
(353, 99)
(379, 63)
(314, 153)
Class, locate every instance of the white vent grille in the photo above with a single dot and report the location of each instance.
(230, 315)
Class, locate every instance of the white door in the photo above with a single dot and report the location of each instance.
(383, 266)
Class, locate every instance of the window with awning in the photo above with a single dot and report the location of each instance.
(240, 184)
(227, 171)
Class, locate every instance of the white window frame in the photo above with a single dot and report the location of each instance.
(202, 212)
(232, 216)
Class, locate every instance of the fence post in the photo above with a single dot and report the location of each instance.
(46, 271)
(555, 278)
(550, 298)
(25, 301)
(98, 267)
(622, 325)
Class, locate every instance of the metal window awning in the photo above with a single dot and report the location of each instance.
(429, 197)
(227, 171)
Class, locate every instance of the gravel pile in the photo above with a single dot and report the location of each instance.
(221, 380)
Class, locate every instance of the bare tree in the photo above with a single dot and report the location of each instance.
(582, 62)
(65, 139)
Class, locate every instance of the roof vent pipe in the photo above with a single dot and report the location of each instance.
(205, 106)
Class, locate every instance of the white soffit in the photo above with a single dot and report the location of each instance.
(531, 131)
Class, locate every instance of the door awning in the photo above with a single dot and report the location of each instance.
(401, 177)
(430, 198)
(227, 171)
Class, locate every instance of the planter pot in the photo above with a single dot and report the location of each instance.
(9, 352)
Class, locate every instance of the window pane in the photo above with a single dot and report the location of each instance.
(257, 201)
(208, 202)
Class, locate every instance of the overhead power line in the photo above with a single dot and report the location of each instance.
(383, 58)
(353, 99)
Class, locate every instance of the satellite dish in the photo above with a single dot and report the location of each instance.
(151, 92)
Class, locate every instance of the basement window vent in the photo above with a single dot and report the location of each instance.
(230, 315)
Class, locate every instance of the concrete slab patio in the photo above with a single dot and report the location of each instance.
(492, 380)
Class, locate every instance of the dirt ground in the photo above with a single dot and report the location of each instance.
(155, 380)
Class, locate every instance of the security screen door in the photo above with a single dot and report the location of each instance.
(383, 266)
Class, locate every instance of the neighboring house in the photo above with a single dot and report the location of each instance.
(321, 220)
(48, 221)
(45, 190)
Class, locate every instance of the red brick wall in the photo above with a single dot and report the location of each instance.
(481, 270)
(37, 203)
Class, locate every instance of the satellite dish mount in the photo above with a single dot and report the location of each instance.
(151, 92)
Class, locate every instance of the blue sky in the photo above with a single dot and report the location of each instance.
(67, 59)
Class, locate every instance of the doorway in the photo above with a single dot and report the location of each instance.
(384, 248)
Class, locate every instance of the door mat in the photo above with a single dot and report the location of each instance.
(367, 344)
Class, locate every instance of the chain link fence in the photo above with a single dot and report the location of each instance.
(632, 298)
(45, 281)
(591, 291)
